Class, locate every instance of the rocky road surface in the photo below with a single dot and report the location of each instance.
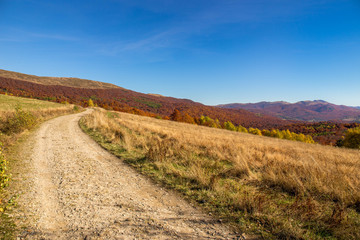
(74, 189)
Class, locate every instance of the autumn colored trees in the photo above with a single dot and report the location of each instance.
(351, 139)
(181, 110)
(181, 117)
(276, 133)
(124, 100)
(91, 103)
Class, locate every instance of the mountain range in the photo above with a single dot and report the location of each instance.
(311, 111)
(110, 96)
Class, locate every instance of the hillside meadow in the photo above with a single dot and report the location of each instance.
(18, 114)
(8, 103)
(274, 188)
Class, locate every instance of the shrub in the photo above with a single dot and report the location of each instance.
(241, 129)
(229, 126)
(207, 121)
(20, 121)
(352, 138)
(4, 178)
(255, 131)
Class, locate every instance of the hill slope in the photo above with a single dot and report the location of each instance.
(61, 81)
(317, 110)
(290, 190)
(121, 99)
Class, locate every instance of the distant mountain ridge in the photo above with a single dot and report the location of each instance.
(312, 111)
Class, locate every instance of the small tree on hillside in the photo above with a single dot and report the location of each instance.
(255, 131)
(241, 129)
(188, 119)
(176, 116)
(229, 126)
(90, 103)
(352, 138)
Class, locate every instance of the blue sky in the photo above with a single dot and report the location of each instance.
(209, 51)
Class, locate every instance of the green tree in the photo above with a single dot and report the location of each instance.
(352, 138)
(255, 131)
(309, 139)
(241, 129)
(208, 121)
(265, 132)
(229, 126)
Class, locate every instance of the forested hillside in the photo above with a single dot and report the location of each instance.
(312, 111)
(120, 99)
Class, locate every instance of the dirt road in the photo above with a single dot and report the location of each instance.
(73, 189)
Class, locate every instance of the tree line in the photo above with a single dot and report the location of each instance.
(215, 123)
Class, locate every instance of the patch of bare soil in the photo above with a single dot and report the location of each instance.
(74, 189)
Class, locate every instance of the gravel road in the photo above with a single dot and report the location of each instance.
(73, 189)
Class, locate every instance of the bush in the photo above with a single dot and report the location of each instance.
(20, 121)
(7, 226)
(255, 131)
(242, 129)
(91, 103)
(4, 178)
(352, 138)
(229, 126)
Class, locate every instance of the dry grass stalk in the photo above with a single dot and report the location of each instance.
(317, 183)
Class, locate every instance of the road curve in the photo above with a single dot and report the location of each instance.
(77, 190)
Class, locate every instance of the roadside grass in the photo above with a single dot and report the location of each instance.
(8, 103)
(17, 117)
(274, 188)
(19, 114)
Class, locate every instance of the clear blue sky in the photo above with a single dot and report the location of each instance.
(210, 51)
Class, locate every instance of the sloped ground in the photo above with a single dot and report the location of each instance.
(73, 189)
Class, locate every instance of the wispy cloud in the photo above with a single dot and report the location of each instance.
(201, 22)
(156, 41)
(19, 35)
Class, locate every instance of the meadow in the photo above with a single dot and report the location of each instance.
(274, 188)
(18, 114)
(8, 103)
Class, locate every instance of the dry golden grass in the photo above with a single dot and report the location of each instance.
(41, 114)
(291, 189)
(39, 111)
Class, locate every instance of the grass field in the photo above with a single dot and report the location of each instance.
(18, 114)
(8, 103)
(271, 187)
(41, 110)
